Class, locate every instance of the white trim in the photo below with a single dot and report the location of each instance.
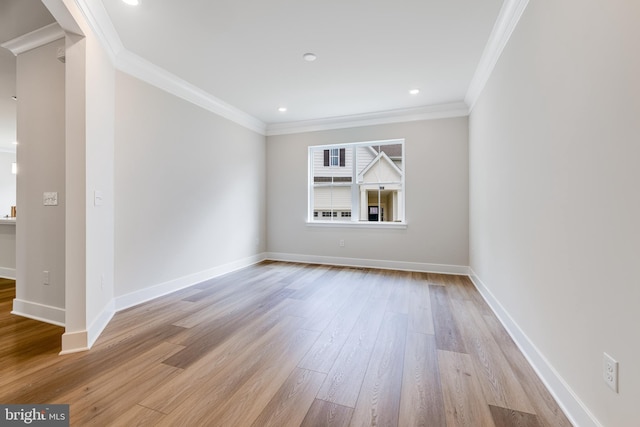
(459, 270)
(357, 224)
(40, 312)
(100, 323)
(8, 273)
(429, 112)
(146, 71)
(143, 295)
(98, 20)
(74, 342)
(569, 402)
(130, 63)
(34, 39)
(63, 16)
(506, 22)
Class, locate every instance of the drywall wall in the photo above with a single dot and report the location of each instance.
(436, 236)
(40, 230)
(99, 187)
(189, 192)
(554, 200)
(7, 183)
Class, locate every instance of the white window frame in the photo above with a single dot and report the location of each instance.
(355, 191)
(334, 157)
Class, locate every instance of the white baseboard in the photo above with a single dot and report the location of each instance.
(571, 405)
(134, 298)
(40, 312)
(370, 263)
(99, 323)
(8, 273)
(74, 342)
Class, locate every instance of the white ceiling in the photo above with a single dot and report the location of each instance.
(17, 17)
(248, 53)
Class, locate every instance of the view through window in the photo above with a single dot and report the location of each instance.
(357, 182)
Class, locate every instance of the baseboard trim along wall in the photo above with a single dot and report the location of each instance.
(8, 273)
(147, 294)
(370, 263)
(99, 323)
(574, 409)
(40, 312)
(74, 342)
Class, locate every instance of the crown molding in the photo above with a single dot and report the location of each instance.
(429, 112)
(130, 63)
(510, 14)
(142, 69)
(98, 20)
(34, 39)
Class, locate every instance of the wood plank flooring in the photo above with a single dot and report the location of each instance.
(282, 344)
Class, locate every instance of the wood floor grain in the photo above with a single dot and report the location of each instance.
(285, 344)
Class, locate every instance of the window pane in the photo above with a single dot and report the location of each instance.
(335, 157)
(357, 182)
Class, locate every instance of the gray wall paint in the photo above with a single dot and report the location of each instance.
(554, 192)
(436, 196)
(40, 230)
(189, 188)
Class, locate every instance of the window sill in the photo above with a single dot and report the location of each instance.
(357, 224)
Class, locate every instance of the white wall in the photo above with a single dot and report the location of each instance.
(190, 192)
(100, 151)
(554, 199)
(7, 183)
(436, 199)
(40, 230)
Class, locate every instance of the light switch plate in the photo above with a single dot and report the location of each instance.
(50, 198)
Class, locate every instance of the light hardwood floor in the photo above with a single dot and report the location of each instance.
(281, 344)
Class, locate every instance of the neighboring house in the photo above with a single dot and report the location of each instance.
(376, 193)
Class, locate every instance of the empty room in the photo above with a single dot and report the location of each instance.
(303, 213)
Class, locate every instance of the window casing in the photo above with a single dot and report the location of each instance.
(357, 183)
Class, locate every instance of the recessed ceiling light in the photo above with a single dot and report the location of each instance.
(132, 2)
(414, 91)
(309, 57)
(282, 109)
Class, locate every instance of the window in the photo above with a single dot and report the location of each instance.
(359, 182)
(334, 154)
(335, 157)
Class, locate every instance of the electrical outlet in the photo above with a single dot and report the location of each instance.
(45, 277)
(341, 243)
(610, 372)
